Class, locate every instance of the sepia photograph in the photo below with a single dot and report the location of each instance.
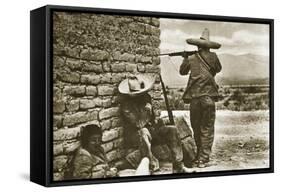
(146, 96)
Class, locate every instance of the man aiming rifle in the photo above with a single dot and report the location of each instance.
(201, 92)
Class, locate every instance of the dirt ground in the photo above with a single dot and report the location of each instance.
(241, 141)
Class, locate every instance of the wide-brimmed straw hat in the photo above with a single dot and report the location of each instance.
(204, 41)
(136, 84)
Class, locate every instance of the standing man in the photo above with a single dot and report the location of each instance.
(202, 93)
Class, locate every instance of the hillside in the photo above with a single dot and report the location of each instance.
(236, 69)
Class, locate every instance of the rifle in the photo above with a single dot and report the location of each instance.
(181, 53)
(170, 114)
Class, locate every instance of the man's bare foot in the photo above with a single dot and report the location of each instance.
(183, 169)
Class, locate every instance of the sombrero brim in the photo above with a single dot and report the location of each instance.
(148, 84)
(203, 43)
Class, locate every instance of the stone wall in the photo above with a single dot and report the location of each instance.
(92, 54)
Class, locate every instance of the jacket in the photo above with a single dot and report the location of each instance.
(201, 80)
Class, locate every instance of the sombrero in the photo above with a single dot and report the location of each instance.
(204, 41)
(136, 84)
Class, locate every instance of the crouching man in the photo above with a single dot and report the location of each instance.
(141, 129)
(90, 160)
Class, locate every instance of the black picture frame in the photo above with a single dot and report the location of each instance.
(41, 94)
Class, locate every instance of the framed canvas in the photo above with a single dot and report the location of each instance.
(122, 95)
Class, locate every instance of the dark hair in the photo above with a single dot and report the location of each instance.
(87, 131)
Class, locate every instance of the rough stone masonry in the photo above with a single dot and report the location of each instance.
(92, 54)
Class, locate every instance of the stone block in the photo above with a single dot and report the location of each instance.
(142, 19)
(93, 67)
(68, 77)
(152, 69)
(106, 66)
(154, 41)
(131, 67)
(72, 51)
(106, 102)
(120, 67)
(91, 79)
(57, 149)
(72, 105)
(91, 90)
(108, 146)
(71, 146)
(100, 55)
(110, 112)
(143, 59)
(74, 64)
(106, 78)
(156, 60)
(87, 103)
(137, 27)
(109, 135)
(58, 62)
(57, 93)
(94, 55)
(64, 134)
(112, 155)
(79, 117)
(118, 77)
(127, 57)
(116, 55)
(102, 102)
(74, 90)
(104, 90)
(98, 102)
(155, 22)
(152, 31)
(141, 67)
(57, 121)
(58, 106)
(105, 124)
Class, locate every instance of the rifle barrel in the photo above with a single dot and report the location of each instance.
(164, 54)
(181, 53)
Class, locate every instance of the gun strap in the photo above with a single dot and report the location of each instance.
(205, 63)
(207, 68)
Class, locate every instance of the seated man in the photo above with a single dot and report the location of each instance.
(90, 159)
(141, 129)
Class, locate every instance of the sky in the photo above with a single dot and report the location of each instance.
(235, 38)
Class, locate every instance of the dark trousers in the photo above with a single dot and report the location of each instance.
(202, 117)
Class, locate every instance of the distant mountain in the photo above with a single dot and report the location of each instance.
(236, 69)
(244, 69)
